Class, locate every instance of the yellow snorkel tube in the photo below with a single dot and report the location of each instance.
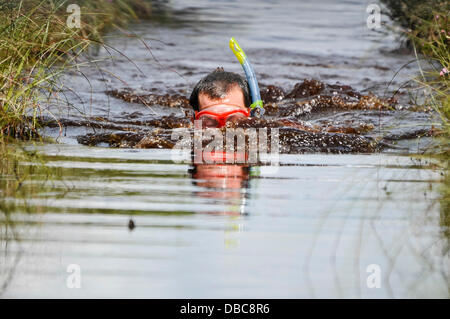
(256, 108)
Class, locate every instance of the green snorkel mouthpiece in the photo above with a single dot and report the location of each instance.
(256, 108)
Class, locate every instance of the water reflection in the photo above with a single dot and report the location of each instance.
(321, 220)
(227, 183)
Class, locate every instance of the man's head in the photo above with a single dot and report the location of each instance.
(221, 93)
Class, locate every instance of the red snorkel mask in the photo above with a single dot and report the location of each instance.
(216, 120)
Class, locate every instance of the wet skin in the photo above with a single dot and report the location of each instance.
(215, 112)
(232, 101)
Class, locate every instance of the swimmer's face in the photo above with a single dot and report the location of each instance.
(216, 112)
(232, 101)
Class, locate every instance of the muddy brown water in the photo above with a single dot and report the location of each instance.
(348, 192)
(340, 80)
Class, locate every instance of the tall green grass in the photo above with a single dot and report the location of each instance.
(430, 40)
(426, 25)
(37, 45)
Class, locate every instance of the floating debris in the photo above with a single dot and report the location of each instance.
(312, 117)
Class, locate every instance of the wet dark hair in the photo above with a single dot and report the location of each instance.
(217, 84)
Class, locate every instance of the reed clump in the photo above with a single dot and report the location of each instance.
(37, 44)
(426, 25)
